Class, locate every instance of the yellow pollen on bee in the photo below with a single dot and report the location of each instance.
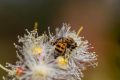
(37, 50)
(62, 62)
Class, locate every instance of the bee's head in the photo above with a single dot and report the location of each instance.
(71, 43)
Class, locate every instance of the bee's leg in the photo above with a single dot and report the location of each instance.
(56, 54)
(67, 53)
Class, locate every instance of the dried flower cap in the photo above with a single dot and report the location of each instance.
(62, 56)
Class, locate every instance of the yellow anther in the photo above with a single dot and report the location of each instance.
(40, 71)
(79, 31)
(62, 62)
(37, 50)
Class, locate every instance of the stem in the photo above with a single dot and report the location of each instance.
(7, 70)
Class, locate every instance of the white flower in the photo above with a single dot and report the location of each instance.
(37, 57)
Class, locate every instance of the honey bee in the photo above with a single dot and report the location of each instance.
(62, 44)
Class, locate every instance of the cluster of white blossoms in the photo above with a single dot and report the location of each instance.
(51, 57)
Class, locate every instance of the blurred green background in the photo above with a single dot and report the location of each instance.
(100, 18)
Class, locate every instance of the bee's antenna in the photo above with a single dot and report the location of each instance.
(79, 31)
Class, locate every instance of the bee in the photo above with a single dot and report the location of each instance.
(62, 44)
